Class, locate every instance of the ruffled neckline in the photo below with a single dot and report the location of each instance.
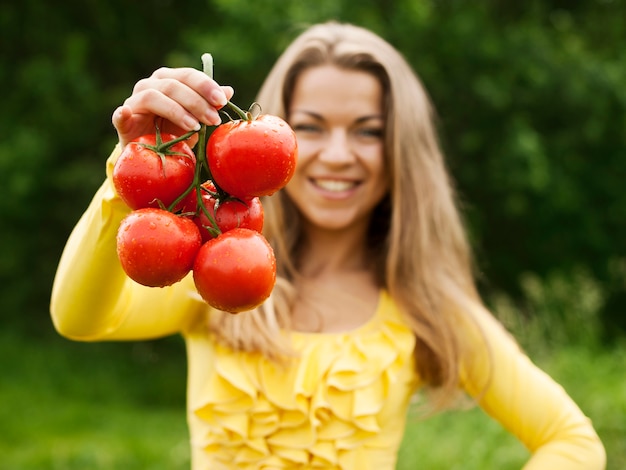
(342, 401)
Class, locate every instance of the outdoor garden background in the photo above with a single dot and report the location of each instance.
(531, 102)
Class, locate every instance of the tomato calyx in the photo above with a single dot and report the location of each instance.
(163, 149)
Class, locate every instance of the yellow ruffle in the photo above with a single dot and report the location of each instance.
(341, 404)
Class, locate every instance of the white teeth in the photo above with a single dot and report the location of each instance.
(335, 185)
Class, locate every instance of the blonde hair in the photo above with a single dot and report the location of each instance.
(417, 236)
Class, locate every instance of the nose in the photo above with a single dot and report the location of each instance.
(337, 149)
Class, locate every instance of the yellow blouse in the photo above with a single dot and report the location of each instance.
(341, 404)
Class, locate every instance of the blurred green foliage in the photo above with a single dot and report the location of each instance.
(530, 97)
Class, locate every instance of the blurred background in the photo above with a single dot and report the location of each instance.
(531, 103)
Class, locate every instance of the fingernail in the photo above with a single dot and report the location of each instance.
(218, 98)
(191, 124)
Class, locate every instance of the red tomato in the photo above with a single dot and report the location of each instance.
(235, 271)
(230, 214)
(157, 248)
(142, 177)
(252, 158)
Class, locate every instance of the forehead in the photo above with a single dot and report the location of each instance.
(328, 89)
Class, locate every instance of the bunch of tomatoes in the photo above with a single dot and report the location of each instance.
(200, 211)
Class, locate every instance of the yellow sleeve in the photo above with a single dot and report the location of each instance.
(93, 299)
(530, 404)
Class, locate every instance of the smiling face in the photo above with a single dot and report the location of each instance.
(338, 119)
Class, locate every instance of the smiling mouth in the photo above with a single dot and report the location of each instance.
(335, 186)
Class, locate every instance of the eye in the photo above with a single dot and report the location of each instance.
(308, 128)
(374, 132)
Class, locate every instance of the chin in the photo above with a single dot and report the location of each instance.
(335, 221)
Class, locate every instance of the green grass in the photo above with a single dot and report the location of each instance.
(82, 406)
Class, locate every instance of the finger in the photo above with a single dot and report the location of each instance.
(122, 120)
(228, 91)
(120, 117)
(165, 92)
(198, 81)
(182, 107)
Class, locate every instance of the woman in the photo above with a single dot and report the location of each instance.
(375, 298)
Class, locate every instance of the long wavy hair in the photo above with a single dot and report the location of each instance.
(417, 237)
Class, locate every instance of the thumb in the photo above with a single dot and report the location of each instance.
(121, 119)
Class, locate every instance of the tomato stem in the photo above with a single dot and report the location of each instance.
(180, 198)
(207, 64)
(203, 163)
(170, 143)
(201, 154)
(197, 170)
(244, 115)
(201, 157)
(207, 67)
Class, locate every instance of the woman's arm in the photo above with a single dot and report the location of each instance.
(530, 404)
(93, 299)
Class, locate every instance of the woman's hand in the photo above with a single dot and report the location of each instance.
(180, 99)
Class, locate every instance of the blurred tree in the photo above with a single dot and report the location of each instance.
(532, 116)
(530, 99)
(63, 70)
